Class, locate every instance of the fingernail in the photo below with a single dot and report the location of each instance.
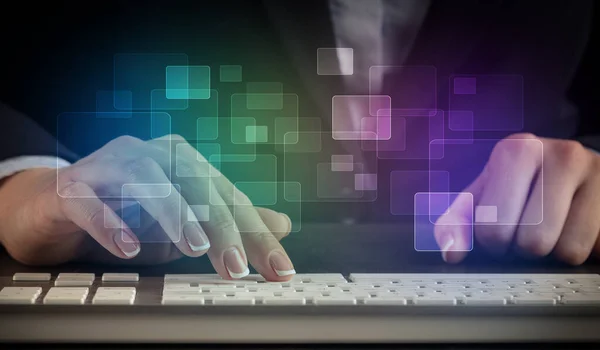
(195, 236)
(234, 263)
(281, 264)
(127, 244)
(289, 222)
(448, 243)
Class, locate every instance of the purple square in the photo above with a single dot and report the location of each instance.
(460, 120)
(365, 182)
(465, 86)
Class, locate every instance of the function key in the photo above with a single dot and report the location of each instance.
(31, 277)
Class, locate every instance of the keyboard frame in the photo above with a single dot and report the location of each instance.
(149, 322)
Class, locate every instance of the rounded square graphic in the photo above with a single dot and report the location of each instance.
(361, 117)
(425, 220)
(464, 160)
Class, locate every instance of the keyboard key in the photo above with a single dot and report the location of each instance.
(31, 277)
(76, 276)
(18, 299)
(385, 301)
(72, 283)
(64, 299)
(116, 289)
(21, 291)
(183, 300)
(120, 277)
(534, 300)
(434, 301)
(112, 301)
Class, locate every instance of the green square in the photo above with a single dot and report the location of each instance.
(230, 74)
(257, 134)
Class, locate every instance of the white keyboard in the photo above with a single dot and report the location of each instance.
(459, 290)
(312, 308)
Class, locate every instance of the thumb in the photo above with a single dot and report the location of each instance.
(453, 231)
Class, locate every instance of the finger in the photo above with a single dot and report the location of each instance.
(81, 206)
(227, 253)
(582, 225)
(453, 231)
(279, 224)
(265, 252)
(146, 183)
(510, 173)
(548, 205)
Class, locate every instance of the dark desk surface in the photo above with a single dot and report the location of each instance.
(344, 249)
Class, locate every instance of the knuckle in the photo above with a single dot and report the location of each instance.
(516, 147)
(572, 253)
(185, 168)
(141, 166)
(569, 152)
(534, 241)
(177, 137)
(127, 140)
(72, 189)
(222, 221)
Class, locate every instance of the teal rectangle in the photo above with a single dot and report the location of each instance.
(260, 193)
(177, 82)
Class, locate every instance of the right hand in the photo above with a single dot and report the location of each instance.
(46, 218)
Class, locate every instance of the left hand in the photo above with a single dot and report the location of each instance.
(569, 195)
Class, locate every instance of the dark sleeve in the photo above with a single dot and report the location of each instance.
(21, 136)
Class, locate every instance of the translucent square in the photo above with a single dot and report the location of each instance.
(365, 182)
(460, 120)
(328, 59)
(371, 110)
(230, 73)
(259, 192)
(257, 134)
(425, 220)
(188, 82)
(342, 166)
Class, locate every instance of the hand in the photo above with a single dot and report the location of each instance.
(569, 196)
(46, 214)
